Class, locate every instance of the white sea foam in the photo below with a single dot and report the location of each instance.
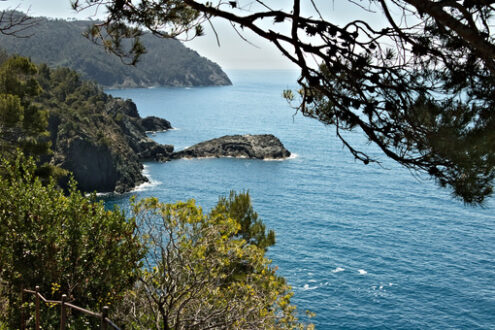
(146, 185)
(162, 131)
(338, 270)
(362, 272)
(293, 156)
(306, 287)
(101, 194)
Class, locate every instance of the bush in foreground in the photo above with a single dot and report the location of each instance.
(65, 243)
(168, 266)
(200, 272)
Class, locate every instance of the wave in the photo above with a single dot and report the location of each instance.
(146, 185)
(306, 287)
(338, 270)
(101, 194)
(362, 272)
(292, 156)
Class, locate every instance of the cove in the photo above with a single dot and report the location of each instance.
(363, 246)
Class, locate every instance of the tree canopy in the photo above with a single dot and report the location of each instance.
(420, 85)
(206, 271)
(63, 243)
(167, 266)
(22, 123)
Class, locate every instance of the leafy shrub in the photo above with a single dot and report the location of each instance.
(66, 244)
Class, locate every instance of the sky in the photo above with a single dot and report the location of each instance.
(232, 53)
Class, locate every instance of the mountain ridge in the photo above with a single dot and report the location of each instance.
(167, 62)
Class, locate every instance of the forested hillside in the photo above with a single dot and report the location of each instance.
(100, 139)
(166, 63)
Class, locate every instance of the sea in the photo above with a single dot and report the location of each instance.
(363, 246)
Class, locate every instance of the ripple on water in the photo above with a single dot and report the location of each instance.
(364, 247)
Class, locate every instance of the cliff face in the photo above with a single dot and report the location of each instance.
(106, 162)
(94, 166)
(167, 62)
(102, 140)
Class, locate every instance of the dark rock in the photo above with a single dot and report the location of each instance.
(264, 146)
(108, 158)
(134, 131)
(160, 152)
(124, 107)
(155, 124)
(95, 168)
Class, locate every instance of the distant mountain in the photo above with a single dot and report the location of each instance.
(167, 61)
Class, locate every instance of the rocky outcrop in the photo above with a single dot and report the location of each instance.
(155, 124)
(105, 152)
(134, 131)
(96, 168)
(264, 146)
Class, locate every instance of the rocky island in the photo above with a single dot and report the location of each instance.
(103, 141)
(265, 146)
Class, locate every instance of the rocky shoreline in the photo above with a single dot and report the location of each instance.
(107, 155)
(110, 160)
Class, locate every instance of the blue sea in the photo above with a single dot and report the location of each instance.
(364, 247)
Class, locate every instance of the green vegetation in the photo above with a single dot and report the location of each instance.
(419, 85)
(67, 122)
(252, 231)
(22, 123)
(66, 244)
(61, 43)
(199, 273)
(167, 266)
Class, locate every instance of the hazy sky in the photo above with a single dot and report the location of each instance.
(233, 52)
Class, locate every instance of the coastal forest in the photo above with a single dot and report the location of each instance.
(190, 269)
(58, 42)
(425, 103)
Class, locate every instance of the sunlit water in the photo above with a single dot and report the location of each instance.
(364, 247)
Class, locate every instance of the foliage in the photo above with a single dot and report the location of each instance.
(187, 281)
(66, 244)
(22, 123)
(199, 270)
(83, 128)
(420, 84)
(61, 43)
(252, 230)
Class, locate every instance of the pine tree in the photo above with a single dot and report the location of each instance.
(420, 85)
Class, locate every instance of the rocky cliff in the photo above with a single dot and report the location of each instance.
(102, 140)
(112, 161)
(264, 146)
